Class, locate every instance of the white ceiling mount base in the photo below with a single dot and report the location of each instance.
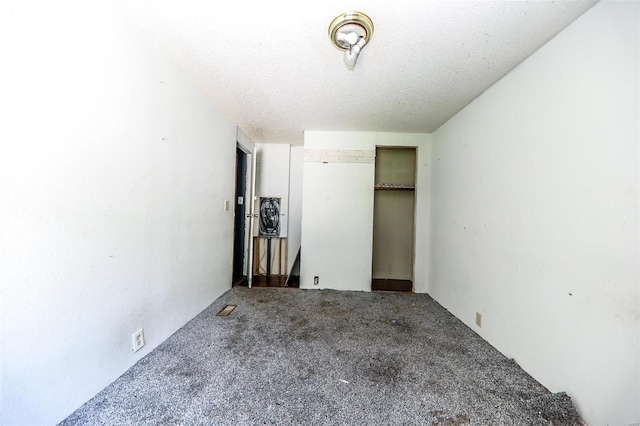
(350, 32)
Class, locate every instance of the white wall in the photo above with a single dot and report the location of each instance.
(272, 180)
(337, 211)
(280, 175)
(113, 174)
(535, 214)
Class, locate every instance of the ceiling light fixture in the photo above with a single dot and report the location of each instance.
(350, 32)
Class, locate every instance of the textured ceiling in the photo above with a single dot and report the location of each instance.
(270, 66)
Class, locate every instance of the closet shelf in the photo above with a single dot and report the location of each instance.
(394, 186)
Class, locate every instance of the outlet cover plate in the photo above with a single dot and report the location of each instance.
(138, 340)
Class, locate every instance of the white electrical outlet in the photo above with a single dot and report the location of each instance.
(138, 340)
(478, 319)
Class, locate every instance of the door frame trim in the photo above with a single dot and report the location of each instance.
(249, 148)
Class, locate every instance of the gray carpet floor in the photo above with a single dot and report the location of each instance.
(289, 356)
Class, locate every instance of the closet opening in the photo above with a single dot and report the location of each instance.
(393, 219)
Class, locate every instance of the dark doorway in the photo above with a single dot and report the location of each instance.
(239, 274)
